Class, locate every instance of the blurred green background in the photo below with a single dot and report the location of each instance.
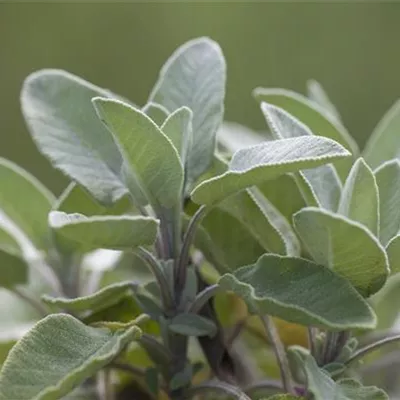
(351, 48)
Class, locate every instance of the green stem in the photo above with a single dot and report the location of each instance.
(280, 353)
(183, 260)
(372, 347)
(216, 387)
(312, 341)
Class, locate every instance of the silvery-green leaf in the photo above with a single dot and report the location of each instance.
(317, 94)
(384, 142)
(324, 180)
(309, 113)
(393, 252)
(76, 231)
(194, 76)
(26, 202)
(192, 325)
(299, 291)
(57, 355)
(104, 298)
(13, 268)
(323, 387)
(153, 171)
(233, 136)
(360, 197)
(388, 180)
(178, 128)
(257, 164)
(156, 112)
(75, 199)
(58, 110)
(345, 246)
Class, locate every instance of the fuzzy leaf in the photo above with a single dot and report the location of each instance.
(393, 252)
(309, 114)
(384, 143)
(57, 355)
(325, 388)
(299, 291)
(17, 185)
(58, 110)
(324, 180)
(360, 197)
(76, 231)
(260, 163)
(156, 112)
(192, 325)
(388, 179)
(75, 199)
(104, 298)
(153, 171)
(317, 94)
(345, 246)
(194, 76)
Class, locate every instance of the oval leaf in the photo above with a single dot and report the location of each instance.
(82, 233)
(317, 94)
(156, 112)
(260, 163)
(95, 302)
(360, 197)
(393, 252)
(17, 185)
(384, 143)
(58, 110)
(154, 172)
(388, 179)
(345, 246)
(300, 291)
(57, 355)
(194, 76)
(192, 325)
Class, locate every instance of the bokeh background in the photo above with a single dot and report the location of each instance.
(351, 48)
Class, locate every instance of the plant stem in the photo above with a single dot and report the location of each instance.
(105, 388)
(183, 260)
(280, 353)
(155, 268)
(312, 341)
(216, 387)
(31, 300)
(372, 347)
(136, 371)
(202, 298)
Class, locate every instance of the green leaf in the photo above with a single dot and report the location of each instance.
(75, 199)
(260, 163)
(104, 298)
(286, 397)
(360, 197)
(309, 113)
(393, 252)
(57, 355)
(17, 185)
(194, 76)
(284, 193)
(233, 137)
(178, 128)
(324, 180)
(76, 231)
(182, 378)
(156, 112)
(154, 173)
(192, 325)
(388, 179)
(345, 246)
(299, 291)
(60, 116)
(13, 269)
(317, 94)
(324, 387)
(225, 242)
(384, 143)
